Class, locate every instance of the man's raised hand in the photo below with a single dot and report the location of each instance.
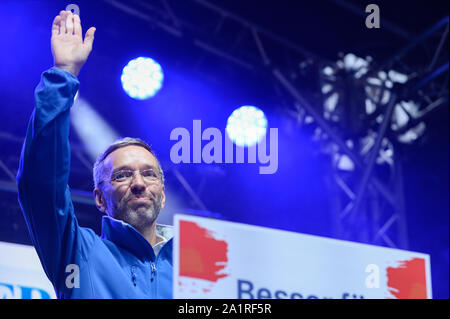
(69, 50)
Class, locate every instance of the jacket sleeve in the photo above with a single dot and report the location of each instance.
(43, 174)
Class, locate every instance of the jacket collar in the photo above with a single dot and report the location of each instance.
(126, 236)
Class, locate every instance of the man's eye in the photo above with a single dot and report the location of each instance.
(149, 173)
(121, 175)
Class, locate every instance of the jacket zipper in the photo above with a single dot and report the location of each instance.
(133, 275)
(153, 267)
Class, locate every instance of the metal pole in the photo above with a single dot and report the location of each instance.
(373, 155)
(402, 224)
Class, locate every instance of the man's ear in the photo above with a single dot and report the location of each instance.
(99, 200)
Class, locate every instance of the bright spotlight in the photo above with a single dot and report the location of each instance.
(246, 126)
(142, 78)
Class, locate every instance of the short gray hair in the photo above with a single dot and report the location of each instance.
(98, 170)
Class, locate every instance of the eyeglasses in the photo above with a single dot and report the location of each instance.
(125, 176)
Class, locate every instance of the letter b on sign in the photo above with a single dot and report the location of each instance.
(373, 19)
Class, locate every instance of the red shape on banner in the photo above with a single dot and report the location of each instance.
(201, 255)
(408, 280)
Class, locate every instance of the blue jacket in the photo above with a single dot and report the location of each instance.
(119, 264)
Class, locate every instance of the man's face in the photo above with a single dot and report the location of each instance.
(136, 201)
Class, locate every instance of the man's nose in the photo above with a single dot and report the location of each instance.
(138, 184)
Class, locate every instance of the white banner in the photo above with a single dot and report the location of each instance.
(218, 259)
(21, 274)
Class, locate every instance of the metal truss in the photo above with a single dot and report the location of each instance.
(81, 168)
(218, 32)
(369, 209)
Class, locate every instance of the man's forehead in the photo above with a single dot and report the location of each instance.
(132, 156)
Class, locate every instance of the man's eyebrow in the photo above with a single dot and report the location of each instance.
(123, 167)
(126, 167)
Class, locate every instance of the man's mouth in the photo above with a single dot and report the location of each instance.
(139, 199)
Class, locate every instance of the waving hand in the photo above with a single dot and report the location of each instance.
(69, 50)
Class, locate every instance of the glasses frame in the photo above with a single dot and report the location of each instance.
(129, 179)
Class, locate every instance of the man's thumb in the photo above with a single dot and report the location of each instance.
(89, 37)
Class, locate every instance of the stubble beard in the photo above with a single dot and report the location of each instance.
(141, 217)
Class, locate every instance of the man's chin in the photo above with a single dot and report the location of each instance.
(143, 211)
(139, 213)
(143, 214)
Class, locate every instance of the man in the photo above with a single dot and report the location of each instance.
(133, 257)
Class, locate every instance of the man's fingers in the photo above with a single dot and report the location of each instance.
(62, 28)
(77, 25)
(55, 25)
(89, 37)
(69, 23)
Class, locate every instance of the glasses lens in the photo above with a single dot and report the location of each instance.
(122, 176)
(148, 175)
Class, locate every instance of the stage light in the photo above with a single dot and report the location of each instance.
(142, 78)
(246, 126)
(92, 129)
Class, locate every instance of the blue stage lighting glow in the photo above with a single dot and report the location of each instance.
(246, 125)
(142, 78)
